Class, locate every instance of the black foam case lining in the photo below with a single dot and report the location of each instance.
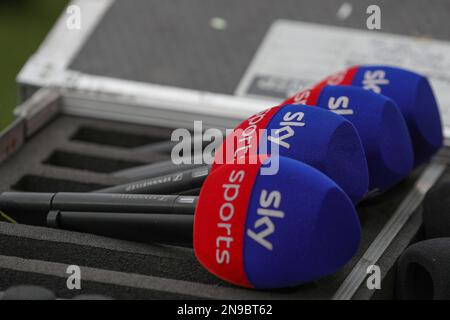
(68, 154)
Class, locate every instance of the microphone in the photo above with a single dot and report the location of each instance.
(32, 208)
(327, 142)
(423, 271)
(167, 228)
(23, 292)
(171, 183)
(30, 292)
(380, 124)
(412, 93)
(436, 211)
(165, 167)
(243, 219)
(153, 170)
(321, 139)
(260, 231)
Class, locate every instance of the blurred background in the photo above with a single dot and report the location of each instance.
(23, 26)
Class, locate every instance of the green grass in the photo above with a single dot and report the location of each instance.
(23, 26)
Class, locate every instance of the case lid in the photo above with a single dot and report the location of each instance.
(229, 59)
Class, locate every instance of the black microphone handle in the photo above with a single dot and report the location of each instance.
(32, 208)
(27, 292)
(168, 184)
(156, 169)
(117, 202)
(174, 229)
